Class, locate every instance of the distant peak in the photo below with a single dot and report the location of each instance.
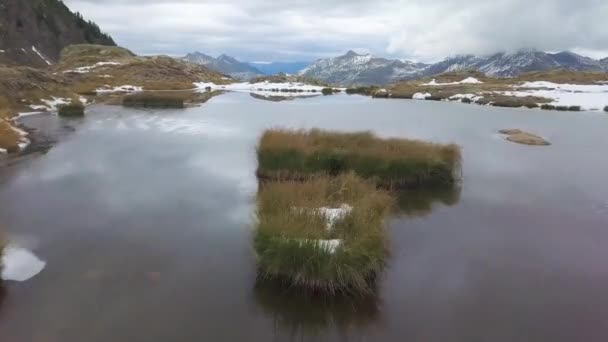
(351, 53)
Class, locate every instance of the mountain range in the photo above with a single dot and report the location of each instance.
(364, 69)
(33, 32)
(226, 65)
(273, 68)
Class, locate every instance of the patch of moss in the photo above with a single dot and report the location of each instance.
(71, 110)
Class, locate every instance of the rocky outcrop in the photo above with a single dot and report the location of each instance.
(34, 32)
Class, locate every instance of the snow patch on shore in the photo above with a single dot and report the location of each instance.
(266, 88)
(468, 80)
(592, 97)
(20, 264)
(51, 105)
(564, 87)
(120, 89)
(421, 96)
(460, 97)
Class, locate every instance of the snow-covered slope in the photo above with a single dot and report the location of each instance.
(225, 64)
(353, 68)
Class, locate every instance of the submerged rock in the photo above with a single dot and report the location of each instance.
(525, 138)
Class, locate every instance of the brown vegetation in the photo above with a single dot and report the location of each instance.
(391, 163)
(526, 138)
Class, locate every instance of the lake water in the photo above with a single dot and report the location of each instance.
(144, 220)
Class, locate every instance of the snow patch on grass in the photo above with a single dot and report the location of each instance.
(329, 246)
(421, 96)
(87, 69)
(468, 80)
(460, 97)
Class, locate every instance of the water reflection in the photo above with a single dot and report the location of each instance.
(279, 98)
(421, 202)
(296, 315)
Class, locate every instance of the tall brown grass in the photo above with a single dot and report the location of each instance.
(391, 163)
(290, 226)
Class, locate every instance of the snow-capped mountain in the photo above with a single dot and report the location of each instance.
(226, 65)
(354, 68)
(513, 64)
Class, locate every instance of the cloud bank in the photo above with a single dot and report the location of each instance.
(291, 30)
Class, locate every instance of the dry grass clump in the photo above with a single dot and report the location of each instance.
(74, 109)
(153, 100)
(292, 234)
(9, 138)
(390, 163)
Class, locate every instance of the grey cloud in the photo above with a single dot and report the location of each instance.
(304, 30)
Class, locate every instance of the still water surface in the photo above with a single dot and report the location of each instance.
(144, 220)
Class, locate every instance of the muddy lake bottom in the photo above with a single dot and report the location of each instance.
(145, 221)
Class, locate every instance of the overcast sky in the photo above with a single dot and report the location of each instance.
(294, 30)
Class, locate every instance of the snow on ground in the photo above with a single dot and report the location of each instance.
(51, 105)
(468, 80)
(20, 264)
(421, 96)
(265, 88)
(41, 56)
(588, 96)
(565, 87)
(587, 101)
(120, 89)
(472, 97)
(87, 69)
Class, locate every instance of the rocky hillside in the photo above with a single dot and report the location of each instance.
(226, 65)
(353, 68)
(33, 32)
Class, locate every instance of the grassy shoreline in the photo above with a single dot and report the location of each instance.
(390, 163)
(297, 247)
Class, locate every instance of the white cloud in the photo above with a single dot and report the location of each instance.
(296, 29)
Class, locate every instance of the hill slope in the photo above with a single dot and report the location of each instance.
(225, 64)
(33, 32)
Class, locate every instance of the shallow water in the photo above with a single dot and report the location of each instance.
(144, 219)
